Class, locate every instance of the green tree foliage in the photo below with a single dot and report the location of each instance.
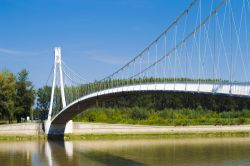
(17, 96)
(7, 94)
(43, 101)
(25, 95)
(177, 100)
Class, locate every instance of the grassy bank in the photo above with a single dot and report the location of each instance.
(158, 135)
(72, 137)
(22, 137)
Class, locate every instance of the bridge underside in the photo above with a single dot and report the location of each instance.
(236, 89)
(81, 105)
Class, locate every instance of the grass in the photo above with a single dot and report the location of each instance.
(22, 137)
(69, 137)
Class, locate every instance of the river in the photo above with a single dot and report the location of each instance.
(125, 152)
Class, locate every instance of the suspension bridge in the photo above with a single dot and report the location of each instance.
(204, 50)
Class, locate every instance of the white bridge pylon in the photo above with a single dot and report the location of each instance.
(57, 67)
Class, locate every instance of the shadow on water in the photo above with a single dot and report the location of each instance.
(55, 138)
(62, 153)
(111, 160)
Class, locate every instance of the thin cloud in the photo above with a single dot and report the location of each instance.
(8, 51)
(16, 52)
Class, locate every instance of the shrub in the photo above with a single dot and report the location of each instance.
(139, 114)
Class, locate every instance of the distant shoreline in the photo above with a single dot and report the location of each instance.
(82, 131)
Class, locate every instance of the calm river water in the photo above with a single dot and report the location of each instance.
(125, 152)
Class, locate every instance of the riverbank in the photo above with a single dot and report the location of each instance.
(31, 131)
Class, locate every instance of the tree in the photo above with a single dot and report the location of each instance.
(7, 94)
(43, 101)
(25, 95)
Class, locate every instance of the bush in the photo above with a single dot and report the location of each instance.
(96, 117)
(139, 114)
(241, 121)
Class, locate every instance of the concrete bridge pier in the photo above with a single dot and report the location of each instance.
(58, 129)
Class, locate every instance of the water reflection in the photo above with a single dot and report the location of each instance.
(178, 152)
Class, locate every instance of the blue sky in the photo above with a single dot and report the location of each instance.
(96, 36)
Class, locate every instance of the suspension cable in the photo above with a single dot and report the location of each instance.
(154, 41)
(186, 38)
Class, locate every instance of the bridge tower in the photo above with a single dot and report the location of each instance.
(57, 66)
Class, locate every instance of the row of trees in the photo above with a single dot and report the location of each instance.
(17, 95)
(178, 100)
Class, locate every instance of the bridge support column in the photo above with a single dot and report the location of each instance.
(47, 124)
(69, 127)
(57, 64)
(58, 129)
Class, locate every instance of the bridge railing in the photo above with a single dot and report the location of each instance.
(75, 92)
